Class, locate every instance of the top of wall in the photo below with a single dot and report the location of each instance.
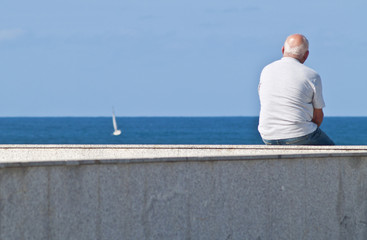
(46, 155)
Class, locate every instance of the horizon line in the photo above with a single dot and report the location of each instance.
(147, 116)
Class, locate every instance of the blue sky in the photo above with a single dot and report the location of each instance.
(171, 58)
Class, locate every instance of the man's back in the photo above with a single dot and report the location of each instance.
(289, 91)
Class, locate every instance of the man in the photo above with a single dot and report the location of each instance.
(291, 99)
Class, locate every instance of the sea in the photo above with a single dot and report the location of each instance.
(160, 130)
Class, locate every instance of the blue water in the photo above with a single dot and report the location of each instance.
(160, 130)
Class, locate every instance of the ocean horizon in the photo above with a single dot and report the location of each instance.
(160, 130)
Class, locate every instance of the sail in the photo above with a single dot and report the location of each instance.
(116, 131)
(114, 121)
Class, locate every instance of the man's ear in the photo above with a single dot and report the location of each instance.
(306, 55)
(283, 50)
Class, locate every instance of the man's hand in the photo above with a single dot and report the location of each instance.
(318, 116)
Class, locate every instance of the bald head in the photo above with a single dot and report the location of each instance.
(296, 46)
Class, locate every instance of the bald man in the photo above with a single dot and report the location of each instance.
(291, 99)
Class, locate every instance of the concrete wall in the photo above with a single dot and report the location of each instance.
(182, 192)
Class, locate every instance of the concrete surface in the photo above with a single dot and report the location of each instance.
(182, 192)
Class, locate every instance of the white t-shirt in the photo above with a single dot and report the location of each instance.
(288, 91)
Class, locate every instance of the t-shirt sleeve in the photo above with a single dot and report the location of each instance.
(318, 100)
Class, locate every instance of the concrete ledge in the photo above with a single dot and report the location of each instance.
(182, 192)
(46, 155)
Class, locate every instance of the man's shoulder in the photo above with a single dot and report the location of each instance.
(309, 68)
(310, 71)
(273, 64)
(294, 63)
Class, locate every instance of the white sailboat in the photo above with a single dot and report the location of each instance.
(116, 131)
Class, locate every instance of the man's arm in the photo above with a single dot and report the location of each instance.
(318, 116)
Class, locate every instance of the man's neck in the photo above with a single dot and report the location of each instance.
(292, 56)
